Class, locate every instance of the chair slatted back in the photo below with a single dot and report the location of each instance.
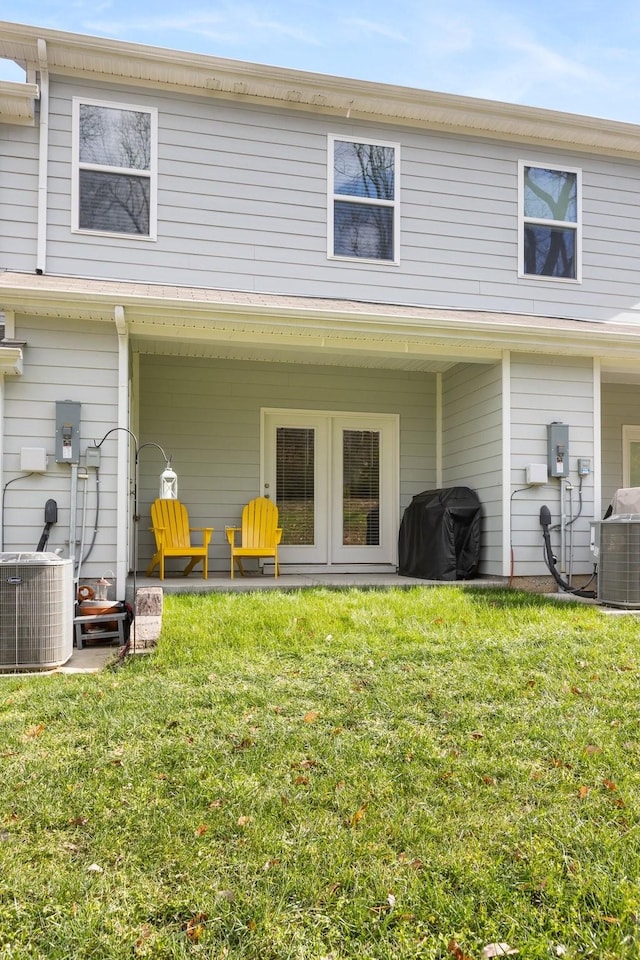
(259, 523)
(172, 516)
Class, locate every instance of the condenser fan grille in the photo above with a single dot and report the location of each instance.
(619, 562)
(36, 611)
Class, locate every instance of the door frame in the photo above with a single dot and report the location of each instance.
(630, 434)
(389, 497)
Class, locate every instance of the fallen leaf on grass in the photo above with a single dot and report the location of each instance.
(560, 764)
(201, 830)
(583, 793)
(78, 821)
(145, 934)
(243, 821)
(454, 948)
(592, 749)
(301, 781)
(273, 862)
(95, 868)
(490, 781)
(498, 950)
(476, 735)
(195, 927)
(609, 784)
(358, 815)
(35, 731)
(311, 716)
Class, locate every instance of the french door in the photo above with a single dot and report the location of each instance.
(334, 480)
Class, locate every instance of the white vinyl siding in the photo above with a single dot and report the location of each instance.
(620, 407)
(18, 196)
(472, 447)
(217, 457)
(544, 390)
(242, 205)
(114, 169)
(63, 364)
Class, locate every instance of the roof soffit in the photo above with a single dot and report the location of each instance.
(175, 314)
(119, 62)
(17, 102)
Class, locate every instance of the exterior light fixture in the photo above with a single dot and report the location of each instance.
(168, 483)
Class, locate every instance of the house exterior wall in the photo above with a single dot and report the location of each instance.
(18, 197)
(243, 205)
(620, 407)
(62, 362)
(206, 414)
(544, 390)
(472, 447)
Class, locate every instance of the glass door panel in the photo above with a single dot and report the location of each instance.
(360, 488)
(295, 484)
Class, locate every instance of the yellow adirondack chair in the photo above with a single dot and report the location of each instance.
(173, 537)
(260, 533)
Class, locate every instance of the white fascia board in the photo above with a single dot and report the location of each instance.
(117, 61)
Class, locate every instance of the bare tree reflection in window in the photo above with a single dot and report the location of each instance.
(365, 171)
(114, 199)
(551, 195)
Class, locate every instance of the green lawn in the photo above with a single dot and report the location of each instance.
(383, 774)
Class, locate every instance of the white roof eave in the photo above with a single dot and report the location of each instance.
(17, 102)
(119, 62)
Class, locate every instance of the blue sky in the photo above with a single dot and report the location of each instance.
(574, 55)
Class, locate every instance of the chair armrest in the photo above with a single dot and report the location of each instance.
(231, 534)
(206, 533)
(278, 534)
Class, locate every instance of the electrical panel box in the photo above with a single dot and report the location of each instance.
(558, 449)
(92, 457)
(67, 431)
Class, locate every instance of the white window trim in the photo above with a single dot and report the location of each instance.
(332, 197)
(577, 226)
(151, 174)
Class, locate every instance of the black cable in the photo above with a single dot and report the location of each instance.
(23, 476)
(550, 560)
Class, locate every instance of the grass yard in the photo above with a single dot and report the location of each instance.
(398, 774)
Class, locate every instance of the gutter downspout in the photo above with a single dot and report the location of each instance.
(43, 160)
(123, 509)
(506, 464)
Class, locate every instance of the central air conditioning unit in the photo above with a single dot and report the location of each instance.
(36, 611)
(619, 561)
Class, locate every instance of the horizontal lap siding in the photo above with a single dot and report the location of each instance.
(472, 447)
(207, 415)
(544, 390)
(61, 363)
(18, 197)
(620, 407)
(243, 205)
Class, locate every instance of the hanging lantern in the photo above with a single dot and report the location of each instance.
(168, 483)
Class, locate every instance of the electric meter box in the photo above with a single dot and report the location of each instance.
(67, 431)
(558, 449)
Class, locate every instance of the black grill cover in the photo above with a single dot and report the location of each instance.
(440, 535)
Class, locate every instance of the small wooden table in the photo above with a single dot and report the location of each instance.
(108, 626)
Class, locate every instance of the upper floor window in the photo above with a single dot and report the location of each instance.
(364, 213)
(550, 228)
(114, 183)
